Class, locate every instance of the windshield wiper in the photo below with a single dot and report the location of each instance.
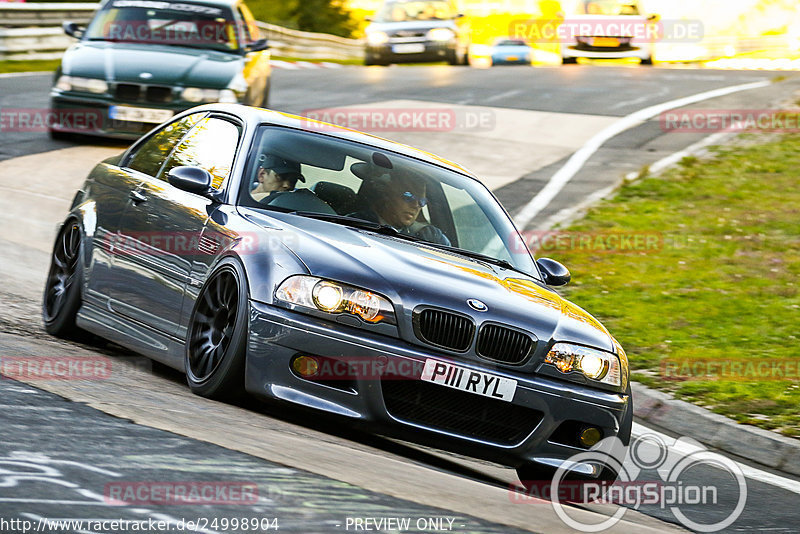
(355, 222)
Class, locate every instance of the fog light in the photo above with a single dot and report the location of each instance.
(305, 366)
(590, 436)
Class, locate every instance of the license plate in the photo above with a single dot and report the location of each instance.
(512, 58)
(463, 379)
(409, 48)
(609, 42)
(150, 115)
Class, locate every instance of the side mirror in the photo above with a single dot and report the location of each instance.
(257, 46)
(458, 15)
(554, 273)
(654, 17)
(191, 179)
(73, 29)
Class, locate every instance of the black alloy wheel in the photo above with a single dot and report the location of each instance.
(62, 292)
(217, 333)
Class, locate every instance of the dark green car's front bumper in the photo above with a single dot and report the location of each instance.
(88, 114)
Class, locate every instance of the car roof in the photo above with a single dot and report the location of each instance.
(255, 116)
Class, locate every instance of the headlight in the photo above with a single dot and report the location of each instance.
(197, 94)
(82, 85)
(441, 34)
(377, 38)
(604, 367)
(334, 297)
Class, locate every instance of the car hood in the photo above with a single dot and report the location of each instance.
(167, 65)
(412, 275)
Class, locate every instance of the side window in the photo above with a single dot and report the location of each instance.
(149, 157)
(210, 145)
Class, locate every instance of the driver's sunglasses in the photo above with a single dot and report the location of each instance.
(410, 197)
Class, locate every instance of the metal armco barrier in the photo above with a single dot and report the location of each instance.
(33, 31)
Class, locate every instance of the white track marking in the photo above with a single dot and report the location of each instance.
(752, 473)
(579, 158)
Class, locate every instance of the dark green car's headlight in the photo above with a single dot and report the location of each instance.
(335, 297)
(81, 85)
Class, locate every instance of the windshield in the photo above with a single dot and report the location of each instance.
(608, 7)
(170, 23)
(415, 10)
(315, 174)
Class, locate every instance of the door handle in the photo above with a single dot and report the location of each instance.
(137, 197)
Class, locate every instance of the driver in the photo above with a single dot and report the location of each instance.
(399, 204)
(275, 174)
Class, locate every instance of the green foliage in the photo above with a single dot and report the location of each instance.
(322, 16)
(721, 284)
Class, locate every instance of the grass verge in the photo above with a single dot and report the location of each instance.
(29, 66)
(696, 272)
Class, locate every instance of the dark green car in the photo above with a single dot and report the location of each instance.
(141, 61)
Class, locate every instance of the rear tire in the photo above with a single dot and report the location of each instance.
(62, 291)
(569, 61)
(647, 61)
(215, 344)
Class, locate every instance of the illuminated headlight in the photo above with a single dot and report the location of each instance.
(594, 364)
(82, 85)
(197, 94)
(377, 38)
(334, 297)
(441, 34)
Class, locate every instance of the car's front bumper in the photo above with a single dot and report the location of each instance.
(278, 335)
(641, 51)
(433, 51)
(510, 60)
(69, 106)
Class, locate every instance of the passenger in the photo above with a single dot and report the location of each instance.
(398, 205)
(275, 174)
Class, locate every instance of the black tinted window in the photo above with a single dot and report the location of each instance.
(149, 157)
(210, 145)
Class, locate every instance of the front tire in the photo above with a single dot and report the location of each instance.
(215, 345)
(62, 291)
(569, 61)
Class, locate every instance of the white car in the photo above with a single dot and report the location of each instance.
(608, 29)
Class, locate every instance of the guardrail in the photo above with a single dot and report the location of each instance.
(306, 45)
(17, 15)
(43, 38)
